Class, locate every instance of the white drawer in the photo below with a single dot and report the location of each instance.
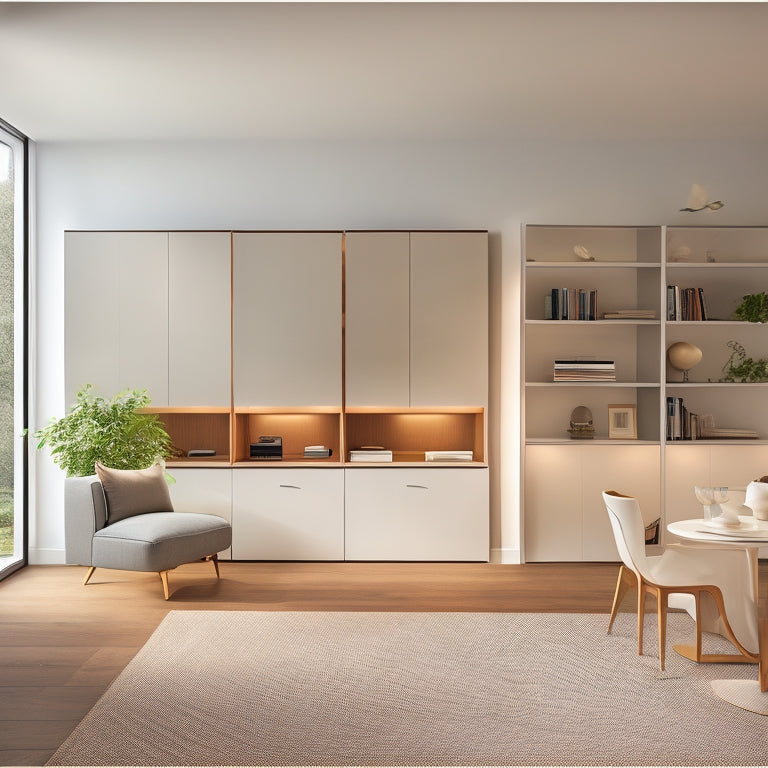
(288, 514)
(417, 514)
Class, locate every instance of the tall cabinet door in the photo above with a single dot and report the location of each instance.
(377, 340)
(287, 318)
(449, 318)
(199, 291)
(116, 313)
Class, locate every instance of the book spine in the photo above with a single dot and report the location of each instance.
(702, 301)
(670, 302)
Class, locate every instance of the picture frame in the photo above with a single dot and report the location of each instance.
(622, 421)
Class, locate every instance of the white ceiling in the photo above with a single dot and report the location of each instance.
(92, 71)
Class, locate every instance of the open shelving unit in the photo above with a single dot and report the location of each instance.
(195, 428)
(298, 428)
(409, 432)
(632, 268)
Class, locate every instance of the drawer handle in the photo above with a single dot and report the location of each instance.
(297, 487)
(424, 487)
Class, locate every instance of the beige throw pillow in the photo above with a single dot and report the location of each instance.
(130, 492)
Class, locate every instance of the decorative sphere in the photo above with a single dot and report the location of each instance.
(684, 356)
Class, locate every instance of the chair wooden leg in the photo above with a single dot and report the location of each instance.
(164, 579)
(214, 558)
(699, 633)
(661, 614)
(89, 574)
(640, 615)
(695, 652)
(625, 581)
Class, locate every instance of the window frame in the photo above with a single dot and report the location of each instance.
(22, 293)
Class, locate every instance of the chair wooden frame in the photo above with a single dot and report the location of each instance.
(214, 558)
(629, 577)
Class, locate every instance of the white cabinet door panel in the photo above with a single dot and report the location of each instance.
(553, 492)
(630, 469)
(199, 325)
(116, 313)
(449, 318)
(288, 514)
(377, 319)
(687, 466)
(417, 514)
(207, 491)
(565, 517)
(287, 318)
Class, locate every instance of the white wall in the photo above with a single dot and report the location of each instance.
(350, 185)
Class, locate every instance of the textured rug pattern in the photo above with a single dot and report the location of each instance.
(307, 688)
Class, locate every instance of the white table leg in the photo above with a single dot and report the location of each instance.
(752, 694)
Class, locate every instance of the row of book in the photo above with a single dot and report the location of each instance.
(570, 304)
(585, 370)
(682, 424)
(686, 303)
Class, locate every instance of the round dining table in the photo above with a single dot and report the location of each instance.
(750, 535)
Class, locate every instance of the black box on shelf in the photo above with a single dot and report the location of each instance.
(268, 448)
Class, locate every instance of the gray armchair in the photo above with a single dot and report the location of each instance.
(124, 519)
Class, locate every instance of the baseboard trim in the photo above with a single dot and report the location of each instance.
(38, 556)
(502, 556)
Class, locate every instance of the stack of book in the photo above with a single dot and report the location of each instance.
(570, 304)
(448, 455)
(585, 370)
(708, 431)
(686, 303)
(371, 453)
(630, 314)
(317, 452)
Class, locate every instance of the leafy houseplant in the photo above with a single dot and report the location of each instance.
(113, 432)
(743, 369)
(753, 308)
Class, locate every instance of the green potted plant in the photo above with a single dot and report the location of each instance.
(743, 369)
(114, 432)
(753, 308)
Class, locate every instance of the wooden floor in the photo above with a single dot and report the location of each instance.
(62, 644)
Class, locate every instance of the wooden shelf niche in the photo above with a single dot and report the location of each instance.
(409, 432)
(198, 428)
(298, 428)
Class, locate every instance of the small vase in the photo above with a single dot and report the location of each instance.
(757, 499)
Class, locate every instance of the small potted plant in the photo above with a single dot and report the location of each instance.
(753, 308)
(114, 432)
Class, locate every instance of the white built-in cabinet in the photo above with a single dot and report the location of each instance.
(288, 514)
(149, 310)
(378, 319)
(416, 514)
(416, 318)
(242, 334)
(631, 268)
(203, 490)
(449, 318)
(116, 313)
(199, 288)
(286, 310)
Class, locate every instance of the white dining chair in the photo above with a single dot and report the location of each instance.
(721, 581)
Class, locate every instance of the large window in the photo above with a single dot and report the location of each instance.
(13, 358)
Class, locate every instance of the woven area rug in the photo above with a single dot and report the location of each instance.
(306, 688)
